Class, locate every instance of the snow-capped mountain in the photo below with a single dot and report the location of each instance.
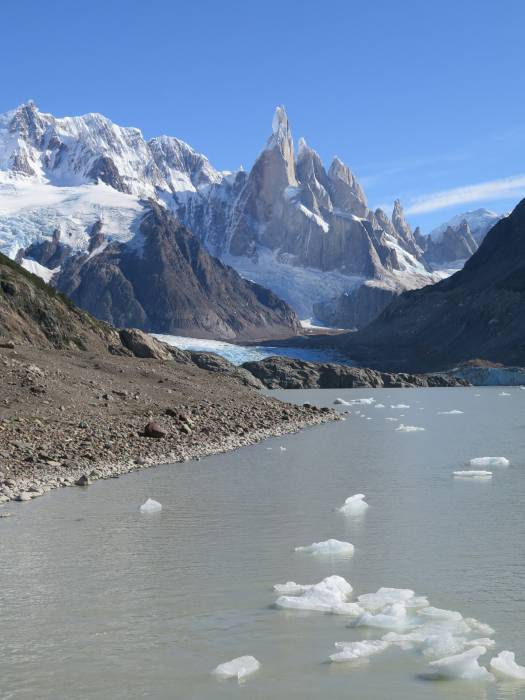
(304, 231)
(480, 221)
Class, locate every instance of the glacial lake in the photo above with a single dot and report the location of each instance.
(101, 602)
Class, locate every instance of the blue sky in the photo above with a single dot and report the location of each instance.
(424, 101)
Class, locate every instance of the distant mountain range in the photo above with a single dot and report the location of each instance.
(78, 193)
(477, 313)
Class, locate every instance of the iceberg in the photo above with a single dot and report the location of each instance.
(326, 596)
(399, 405)
(354, 505)
(505, 666)
(150, 506)
(454, 412)
(292, 588)
(365, 402)
(444, 644)
(379, 405)
(473, 473)
(392, 617)
(463, 666)
(392, 419)
(503, 393)
(481, 641)
(342, 402)
(409, 429)
(489, 462)
(378, 601)
(282, 448)
(358, 650)
(330, 546)
(238, 668)
(479, 627)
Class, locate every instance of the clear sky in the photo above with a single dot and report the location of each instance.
(423, 100)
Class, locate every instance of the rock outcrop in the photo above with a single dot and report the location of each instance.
(287, 373)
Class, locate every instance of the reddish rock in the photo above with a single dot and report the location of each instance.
(153, 430)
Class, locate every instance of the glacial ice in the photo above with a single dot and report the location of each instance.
(326, 596)
(354, 505)
(392, 617)
(358, 650)
(366, 402)
(150, 506)
(444, 644)
(473, 473)
(392, 419)
(479, 627)
(503, 393)
(481, 641)
(453, 412)
(291, 588)
(505, 666)
(342, 402)
(409, 428)
(283, 449)
(330, 546)
(376, 602)
(379, 405)
(463, 666)
(238, 668)
(489, 462)
(399, 405)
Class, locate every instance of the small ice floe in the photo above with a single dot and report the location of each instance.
(282, 448)
(453, 412)
(473, 474)
(364, 402)
(503, 393)
(392, 617)
(329, 595)
(330, 546)
(504, 665)
(489, 462)
(392, 419)
(354, 505)
(150, 506)
(408, 429)
(399, 405)
(379, 405)
(522, 388)
(350, 651)
(341, 402)
(463, 666)
(269, 448)
(478, 627)
(376, 602)
(292, 588)
(238, 668)
(480, 641)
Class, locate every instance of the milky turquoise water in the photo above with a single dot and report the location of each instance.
(98, 602)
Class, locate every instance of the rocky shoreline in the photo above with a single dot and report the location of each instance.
(67, 419)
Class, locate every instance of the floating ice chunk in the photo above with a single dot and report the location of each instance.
(441, 614)
(399, 405)
(505, 666)
(358, 650)
(238, 668)
(477, 626)
(342, 402)
(354, 505)
(454, 412)
(379, 405)
(150, 506)
(444, 644)
(376, 602)
(325, 596)
(291, 588)
(464, 666)
(406, 641)
(503, 393)
(283, 449)
(350, 609)
(330, 546)
(408, 428)
(366, 402)
(481, 641)
(473, 473)
(392, 419)
(393, 617)
(522, 388)
(489, 462)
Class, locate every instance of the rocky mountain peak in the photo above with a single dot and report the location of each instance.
(345, 190)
